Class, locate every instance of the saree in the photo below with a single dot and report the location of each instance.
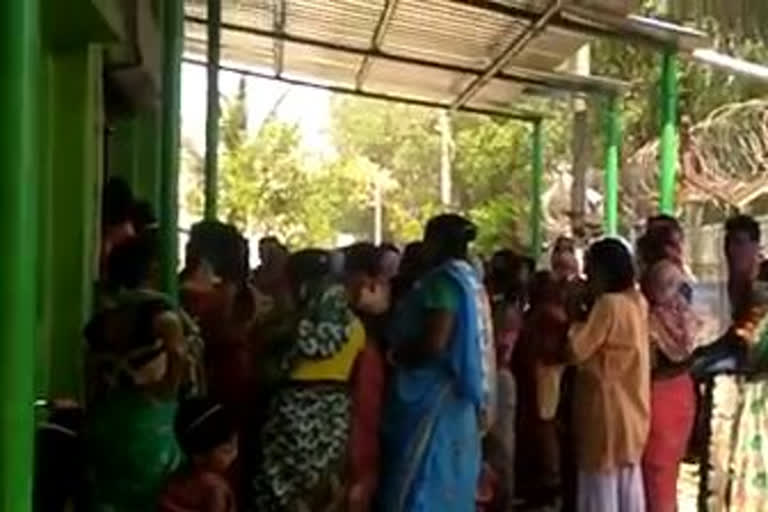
(749, 457)
(131, 451)
(130, 445)
(305, 437)
(430, 430)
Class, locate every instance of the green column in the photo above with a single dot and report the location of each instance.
(19, 149)
(668, 151)
(76, 165)
(173, 30)
(612, 135)
(537, 188)
(212, 113)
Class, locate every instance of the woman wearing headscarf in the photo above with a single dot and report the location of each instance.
(305, 438)
(441, 383)
(612, 385)
(672, 327)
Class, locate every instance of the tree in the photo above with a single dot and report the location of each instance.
(491, 167)
(703, 89)
(266, 184)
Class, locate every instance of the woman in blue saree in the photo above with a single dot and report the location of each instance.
(440, 388)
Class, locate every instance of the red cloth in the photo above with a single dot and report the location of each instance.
(229, 347)
(368, 386)
(197, 491)
(673, 408)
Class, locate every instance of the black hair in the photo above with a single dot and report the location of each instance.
(222, 246)
(202, 425)
(131, 263)
(563, 242)
(742, 224)
(652, 246)
(143, 216)
(270, 240)
(610, 260)
(543, 288)
(308, 265)
(450, 235)
(665, 220)
(388, 247)
(505, 273)
(410, 270)
(362, 257)
(117, 202)
(762, 275)
(411, 254)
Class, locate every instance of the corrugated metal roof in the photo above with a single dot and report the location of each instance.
(430, 50)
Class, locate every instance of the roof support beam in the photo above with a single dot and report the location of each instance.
(528, 117)
(378, 38)
(539, 78)
(586, 21)
(514, 48)
(278, 24)
(212, 111)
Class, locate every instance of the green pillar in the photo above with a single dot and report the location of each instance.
(76, 166)
(668, 151)
(212, 113)
(19, 150)
(173, 30)
(612, 134)
(537, 188)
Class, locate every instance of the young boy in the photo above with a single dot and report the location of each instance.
(206, 433)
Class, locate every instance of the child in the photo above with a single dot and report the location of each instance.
(207, 435)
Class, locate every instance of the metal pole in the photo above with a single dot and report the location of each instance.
(612, 134)
(446, 143)
(212, 110)
(668, 153)
(19, 147)
(173, 15)
(537, 188)
(241, 70)
(581, 146)
(378, 214)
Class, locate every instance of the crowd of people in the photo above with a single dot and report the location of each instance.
(367, 379)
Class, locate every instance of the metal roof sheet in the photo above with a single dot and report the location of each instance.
(426, 50)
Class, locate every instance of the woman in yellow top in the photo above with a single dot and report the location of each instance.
(612, 395)
(304, 440)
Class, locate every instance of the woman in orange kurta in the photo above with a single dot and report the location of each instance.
(612, 388)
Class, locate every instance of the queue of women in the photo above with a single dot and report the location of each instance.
(362, 379)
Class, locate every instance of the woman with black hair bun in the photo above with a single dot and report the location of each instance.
(442, 382)
(215, 290)
(612, 386)
(116, 217)
(139, 362)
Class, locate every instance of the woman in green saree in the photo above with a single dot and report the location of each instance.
(138, 360)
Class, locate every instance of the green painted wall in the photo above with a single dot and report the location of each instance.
(70, 213)
(70, 178)
(134, 154)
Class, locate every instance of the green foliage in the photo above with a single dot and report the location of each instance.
(401, 142)
(702, 87)
(490, 168)
(266, 186)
